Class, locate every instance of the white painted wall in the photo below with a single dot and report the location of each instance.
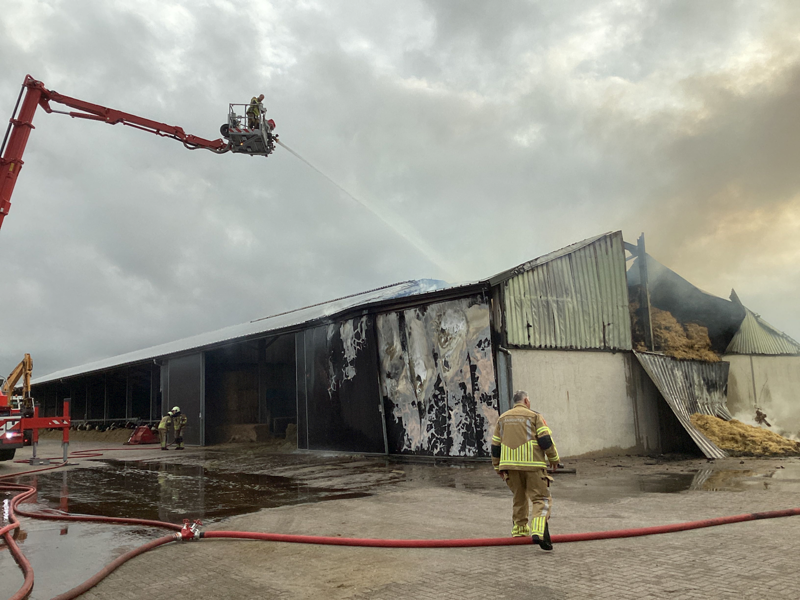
(776, 390)
(594, 402)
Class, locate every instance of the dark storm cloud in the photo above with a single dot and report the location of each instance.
(490, 133)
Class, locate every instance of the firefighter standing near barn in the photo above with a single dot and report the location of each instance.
(178, 423)
(521, 448)
(163, 426)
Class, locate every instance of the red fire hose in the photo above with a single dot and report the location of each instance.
(109, 568)
(27, 491)
(503, 541)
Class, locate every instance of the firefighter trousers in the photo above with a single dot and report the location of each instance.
(162, 437)
(530, 489)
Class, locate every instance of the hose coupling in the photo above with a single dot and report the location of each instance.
(190, 532)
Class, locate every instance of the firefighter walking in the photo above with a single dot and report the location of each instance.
(522, 445)
(179, 421)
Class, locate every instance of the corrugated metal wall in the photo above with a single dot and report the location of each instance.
(578, 300)
(689, 387)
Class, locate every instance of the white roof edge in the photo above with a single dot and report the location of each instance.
(282, 321)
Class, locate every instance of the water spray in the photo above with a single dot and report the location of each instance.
(396, 224)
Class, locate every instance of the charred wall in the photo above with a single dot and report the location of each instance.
(338, 399)
(437, 378)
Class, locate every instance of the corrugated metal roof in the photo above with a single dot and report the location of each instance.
(756, 336)
(576, 298)
(691, 386)
(273, 323)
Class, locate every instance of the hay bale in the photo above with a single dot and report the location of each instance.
(739, 439)
(688, 341)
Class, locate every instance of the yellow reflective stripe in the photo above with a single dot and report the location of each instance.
(537, 465)
(553, 448)
(496, 439)
(537, 526)
(544, 429)
(520, 530)
(527, 455)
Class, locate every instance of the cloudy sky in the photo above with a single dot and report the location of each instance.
(487, 133)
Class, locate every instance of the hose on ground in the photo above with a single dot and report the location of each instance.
(389, 543)
(112, 566)
(25, 492)
(503, 541)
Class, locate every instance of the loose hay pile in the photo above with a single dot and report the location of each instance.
(673, 338)
(739, 439)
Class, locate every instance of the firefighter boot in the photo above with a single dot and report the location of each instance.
(544, 542)
(520, 531)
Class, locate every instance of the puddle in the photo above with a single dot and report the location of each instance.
(63, 556)
(619, 486)
(459, 476)
(173, 492)
(210, 486)
(786, 479)
(709, 479)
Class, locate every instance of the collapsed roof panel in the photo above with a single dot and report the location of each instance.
(691, 387)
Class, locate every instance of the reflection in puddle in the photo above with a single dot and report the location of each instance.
(786, 479)
(173, 492)
(145, 490)
(62, 556)
(710, 479)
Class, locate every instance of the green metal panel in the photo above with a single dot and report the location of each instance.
(576, 298)
(756, 336)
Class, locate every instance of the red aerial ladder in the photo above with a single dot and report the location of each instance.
(255, 138)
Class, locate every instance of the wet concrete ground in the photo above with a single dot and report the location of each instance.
(214, 484)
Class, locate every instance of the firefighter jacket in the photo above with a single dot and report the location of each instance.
(522, 441)
(178, 423)
(255, 107)
(165, 422)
